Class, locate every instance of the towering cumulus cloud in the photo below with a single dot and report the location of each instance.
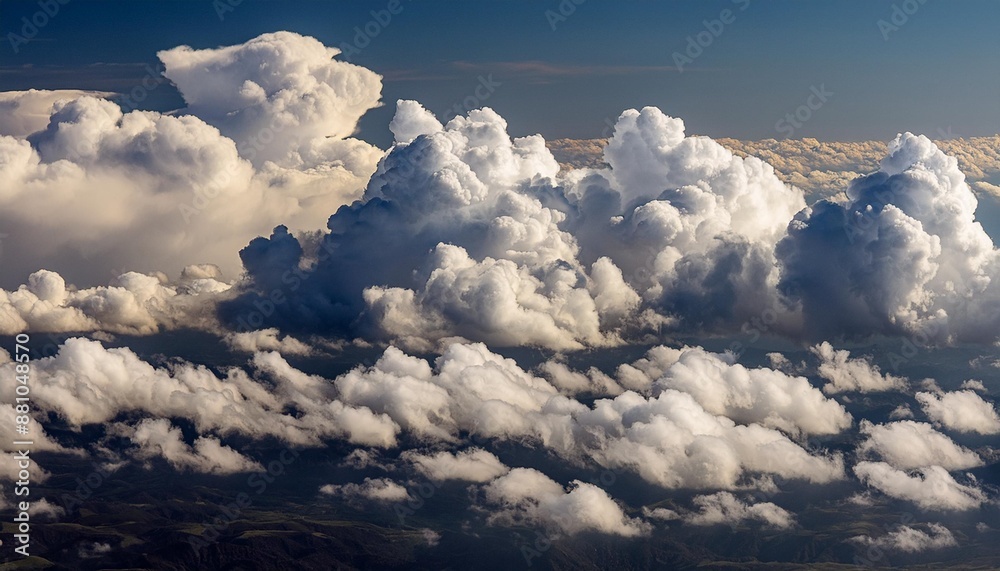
(91, 191)
(490, 245)
(692, 226)
(280, 96)
(450, 239)
(904, 255)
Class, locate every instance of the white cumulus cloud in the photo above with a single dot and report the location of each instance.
(526, 496)
(930, 487)
(158, 438)
(907, 444)
(911, 540)
(725, 508)
(472, 465)
(374, 489)
(962, 411)
(852, 375)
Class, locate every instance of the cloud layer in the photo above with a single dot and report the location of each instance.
(822, 169)
(683, 420)
(461, 231)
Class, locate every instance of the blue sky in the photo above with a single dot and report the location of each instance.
(937, 73)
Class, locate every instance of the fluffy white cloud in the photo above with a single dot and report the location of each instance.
(266, 340)
(674, 442)
(907, 444)
(493, 300)
(910, 256)
(930, 487)
(692, 226)
(974, 385)
(593, 381)
(25, 112)
(99, 175)
(461, 238)
(472, 465)
(670, 440)
(472, 390)
(526, 496)
(87, 384)
(412, 120)
(133, 303)
(852, 375)
(97, 190)
(640, 375)
(158, 438)
(374, 489)
(963, 411)
(649, 154)
(703, 423)
(279, 94)
(911, 540)
(432, 537)
(725, 508)
(900, 412)
(720, 385)
(503, 271)
(763, 396)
